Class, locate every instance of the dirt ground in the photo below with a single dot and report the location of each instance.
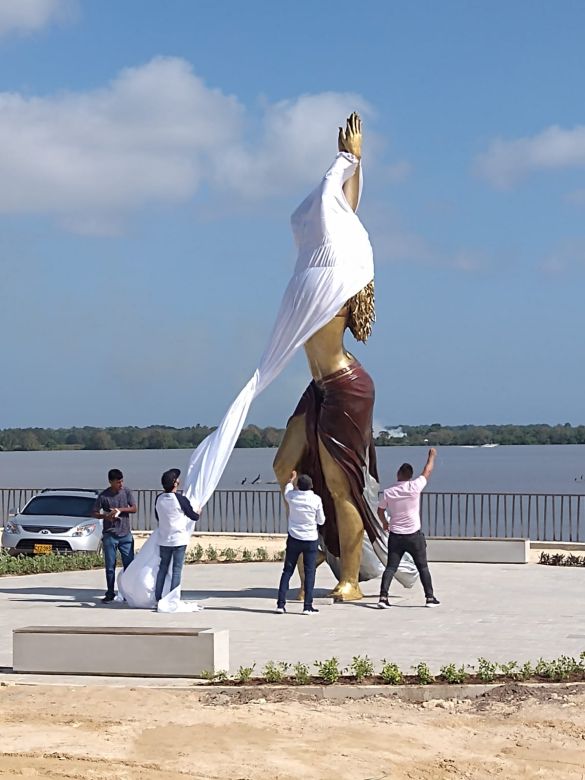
(149, 734)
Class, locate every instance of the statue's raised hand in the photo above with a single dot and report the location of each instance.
(350, 138)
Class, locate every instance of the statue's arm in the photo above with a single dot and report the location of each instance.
(350, 140)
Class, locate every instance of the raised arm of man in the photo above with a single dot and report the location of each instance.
(430, 464)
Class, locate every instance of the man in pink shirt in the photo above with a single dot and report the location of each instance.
(401, 503)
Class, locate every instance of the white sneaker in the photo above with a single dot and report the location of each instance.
(280, 610)
(310, 611)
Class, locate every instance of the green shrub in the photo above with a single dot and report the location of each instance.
(211, 553)
(302, 675)
(246, 554)
(486, 670)
(510, 669)
(261, 554)
(279, 556)
(329, 670)
(220, 676)
(391, 673)
(361, 667)
(45, 564)
(196, 554)
(451, 674)
(275, 672)
(244, 673)
(230, 554)
(525, 672)
(423, 673)
(543, 668)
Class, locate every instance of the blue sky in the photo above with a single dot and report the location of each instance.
(150, 157)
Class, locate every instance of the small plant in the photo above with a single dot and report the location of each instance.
(261, 554)
(246, 554)
(361, 667)
(486, 670)
(543, 668)
(275, 672)
(525, 672)
(279, 556)
(391, 673)
(329, 670)
(510, 669)
(211, 553)
(230, 554)
(301, 672)
(196, 553)
(562, 668)
(451, 674)
(423, 673)
(244, 673)
(219, 676)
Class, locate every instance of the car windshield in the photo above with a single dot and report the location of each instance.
(70, 506)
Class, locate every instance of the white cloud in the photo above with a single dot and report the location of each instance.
(24, 16)
(506, 162)
(396, 243)
(156, 134)
(567, 256)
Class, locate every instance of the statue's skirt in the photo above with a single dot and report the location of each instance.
(338, 410)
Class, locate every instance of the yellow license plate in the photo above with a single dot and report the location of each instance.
(43, 549)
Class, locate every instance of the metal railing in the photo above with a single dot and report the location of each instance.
(540, 517)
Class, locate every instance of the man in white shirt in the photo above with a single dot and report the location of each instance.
(305, 514)
(402, 503)
(176, 518)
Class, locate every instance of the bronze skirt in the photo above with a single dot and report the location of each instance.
(339, 410)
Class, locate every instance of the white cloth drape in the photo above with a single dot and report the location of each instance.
(334, 263)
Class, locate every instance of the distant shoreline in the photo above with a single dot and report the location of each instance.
(162, 437)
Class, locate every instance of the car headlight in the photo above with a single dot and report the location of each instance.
(11, 527)
(86, 529)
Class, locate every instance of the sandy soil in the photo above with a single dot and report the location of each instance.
(147, 734)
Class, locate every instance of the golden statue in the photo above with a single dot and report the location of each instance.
(329, 435)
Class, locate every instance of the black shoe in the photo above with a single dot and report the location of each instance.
(107, 598)
(310, 611)
(384, 603)
(432, 602)
(280, 610)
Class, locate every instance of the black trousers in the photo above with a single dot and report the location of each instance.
(415, 545)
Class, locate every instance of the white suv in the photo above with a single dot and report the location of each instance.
(57, 521)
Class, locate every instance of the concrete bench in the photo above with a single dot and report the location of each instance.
(129, 652)
(478, 550)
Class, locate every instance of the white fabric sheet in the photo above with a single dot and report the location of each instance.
(334, 263)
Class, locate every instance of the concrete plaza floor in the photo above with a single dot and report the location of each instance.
(502, 612)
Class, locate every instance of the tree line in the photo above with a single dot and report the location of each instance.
(162, 437)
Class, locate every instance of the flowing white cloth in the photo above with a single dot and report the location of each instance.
(335, 262)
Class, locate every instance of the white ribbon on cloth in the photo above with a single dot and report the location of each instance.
(335, 261)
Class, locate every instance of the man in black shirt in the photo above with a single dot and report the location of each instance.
(114, 506)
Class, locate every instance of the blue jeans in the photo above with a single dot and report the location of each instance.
(294, 548)
(177, 555)
(111, 544)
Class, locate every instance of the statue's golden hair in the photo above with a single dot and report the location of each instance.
(362, 312)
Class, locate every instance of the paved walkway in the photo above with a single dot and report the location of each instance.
(501, 612)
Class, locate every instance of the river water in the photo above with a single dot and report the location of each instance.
(520, 469)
